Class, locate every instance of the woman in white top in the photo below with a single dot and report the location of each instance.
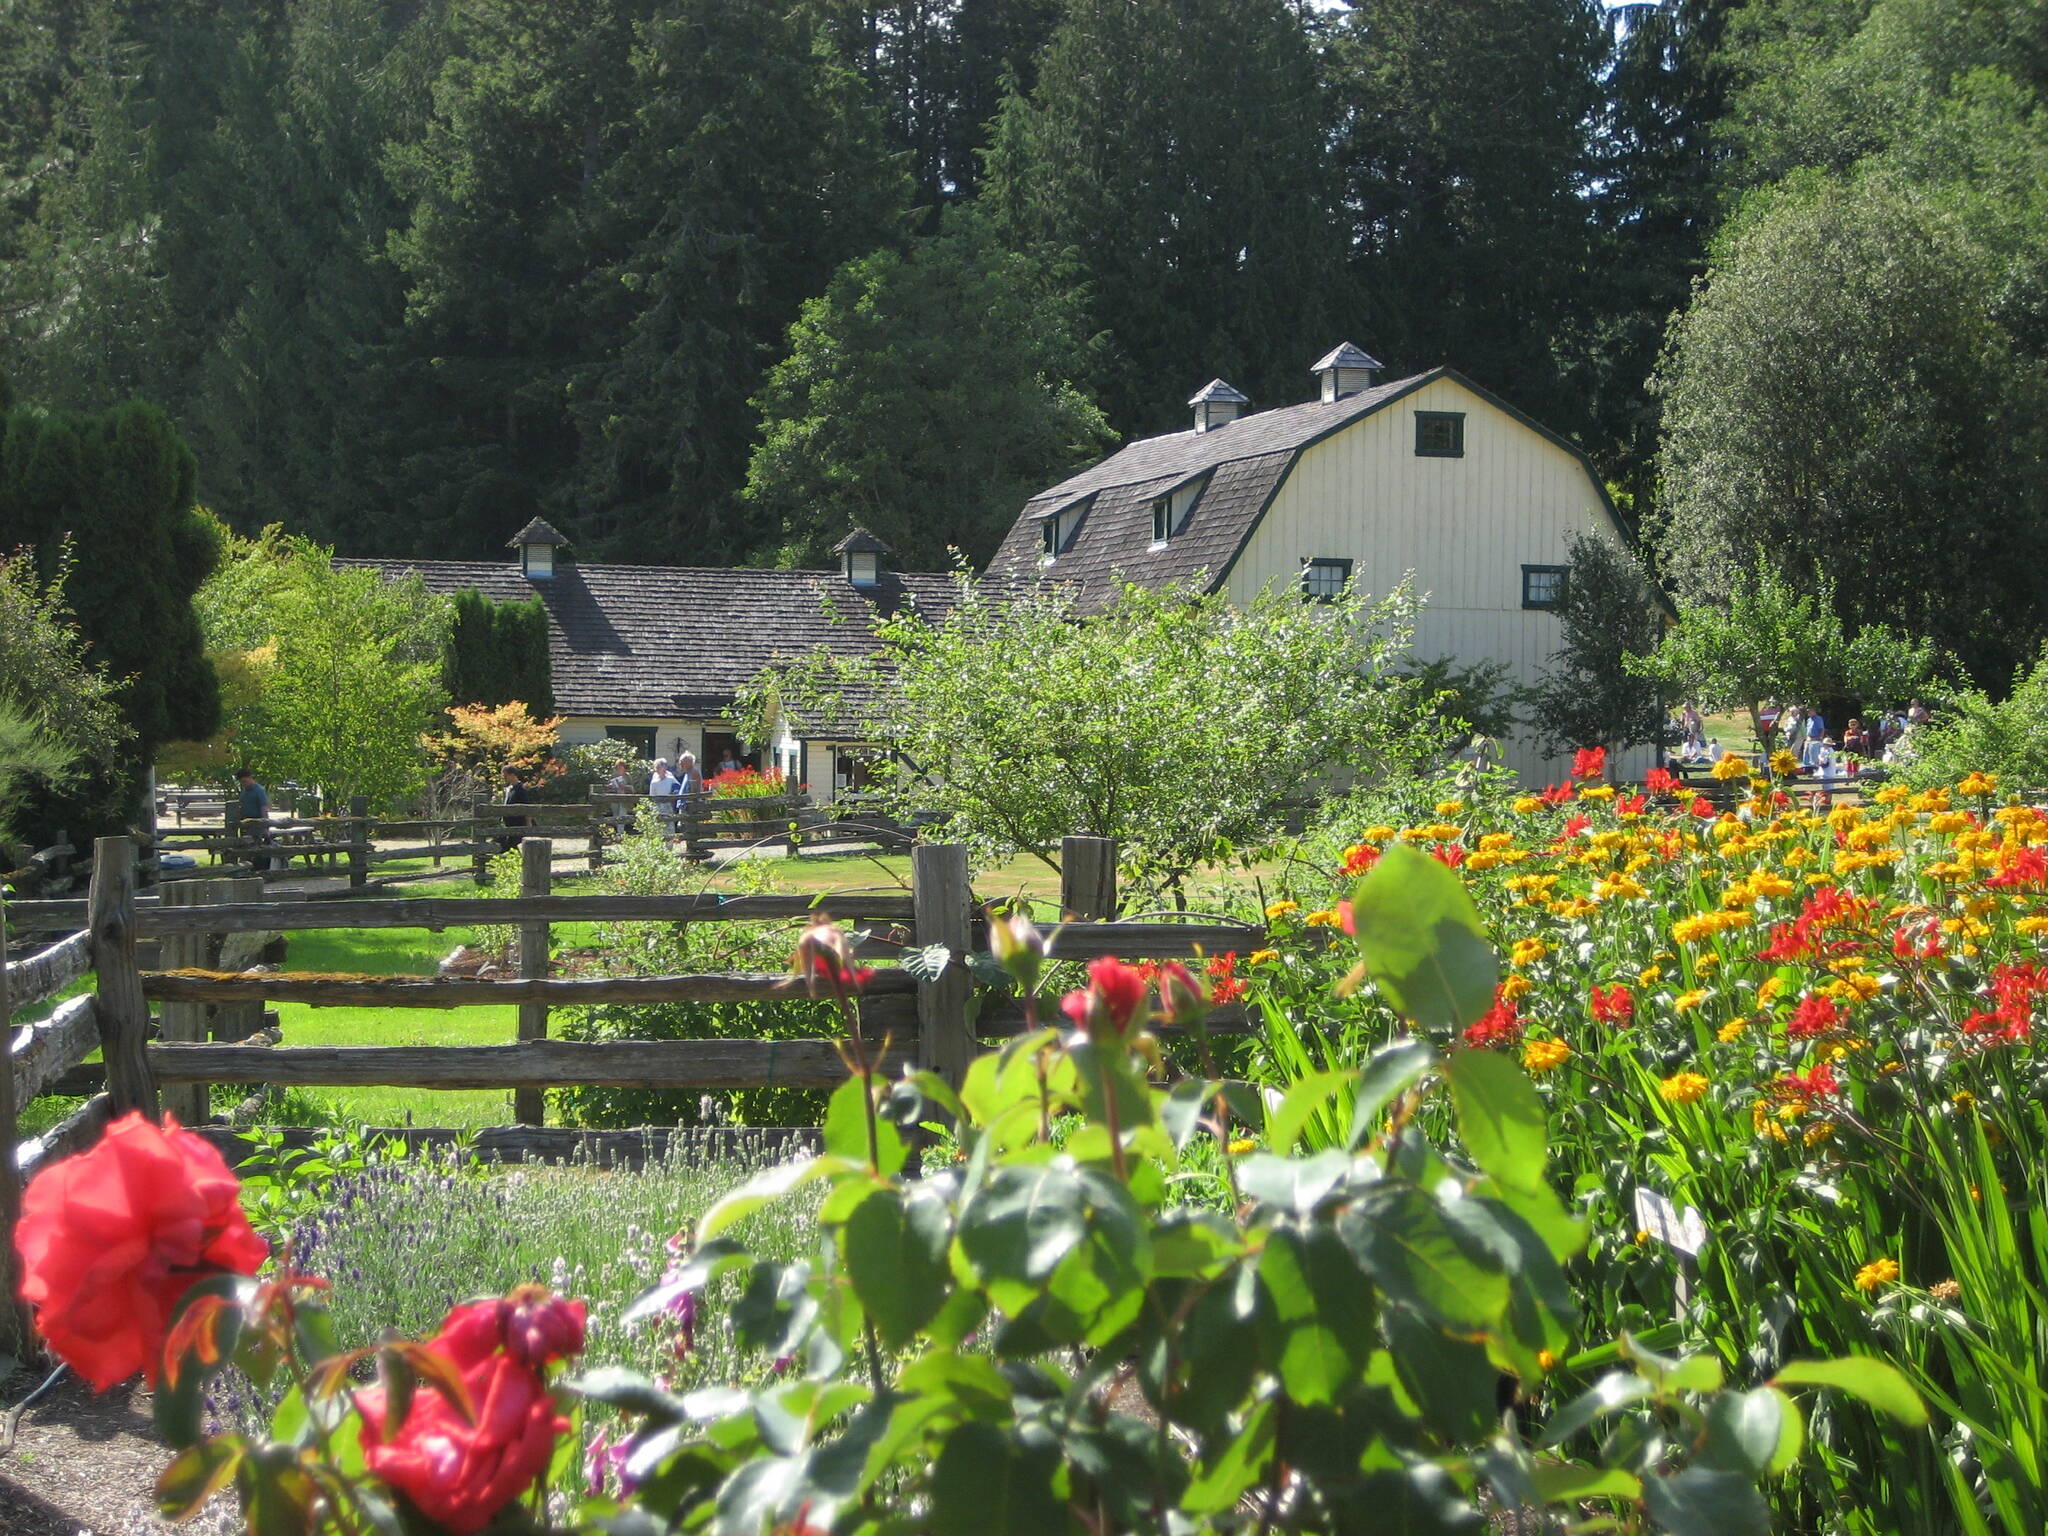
(663, 782)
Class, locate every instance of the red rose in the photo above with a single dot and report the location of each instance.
(456, 1474)
(112, 1239)
(460, 1474)
(1114, 994)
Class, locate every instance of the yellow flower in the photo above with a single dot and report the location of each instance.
(1493, 842)
(1512, 987)
(1414, 834)
(2032, 927)
(1770, 989)
(1527, 805)
(1327, 918)
(1242, 1145)
(1979, 783)
(1264, 956)
(1730, 1031)
(1707, 964)
(1891, 794)
(1619, 888)
(1450, 807)
(1946, 822)
(1818, 1132)
(1877, 1272)
(1527, 952)
(1540, 1056)
(1279, 909)
(1683, 1088)
(1965, 1101)
(1650, 975)
(1642, 1237)
(1571, 908)
(1729, 766)
(1376, 834)
(1784, 763)
(1597, 792)
(1760, 1118)
(1546, 1360)
(1856, 987)
(1685, 1002)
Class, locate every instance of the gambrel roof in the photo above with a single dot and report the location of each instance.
(1245, 462)
(661, 642)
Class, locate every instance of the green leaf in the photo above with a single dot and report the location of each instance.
(846, 1130)
(1186, 1103)
(1701, 1501)
(1405, 1242)
(1452, 1382)
(1791, 1435)
(196, 1474)
(1293, 1184)
(1245, 1458)
(1020, 1224)
(1564, 1483)
(1422, 940)
(987, 1483)
(1392, 1070)
(1665, 1373)
(1744, 1430)
(1318, 1315)
(1303, 1102)
(763, 1189)
(896, 1257)
(1500, 1116)
(1884, 1387)
(1615, 1390)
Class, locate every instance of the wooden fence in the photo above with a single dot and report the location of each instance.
(928, 1019)
(355, 844)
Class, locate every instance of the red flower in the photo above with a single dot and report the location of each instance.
(1631, 805)
(1816, 1082)
(1661, 781)
(1360, 859)
(1500, 1025)
(1346, 920)
(1574, 825)
(1224, 984)
(1702, 807)
(1557, 794)
(457, 1473)
(1917, 941)
(1814, 1016)
(1114, 994)
(1182, 998)
(1589, 763)
(110, 1241)
(2027, 869)
(1451, 854)
(1615, 1006)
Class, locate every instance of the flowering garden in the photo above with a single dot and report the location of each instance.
(1598, 1155)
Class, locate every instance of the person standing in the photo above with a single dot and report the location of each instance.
(252, 814)
(687, 776)
(516, 793)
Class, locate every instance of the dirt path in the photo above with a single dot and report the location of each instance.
(84, 1465)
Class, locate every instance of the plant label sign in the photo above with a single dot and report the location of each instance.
(1661, 1219)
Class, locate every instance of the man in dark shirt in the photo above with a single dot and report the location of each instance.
(516, 793)
(252, 814)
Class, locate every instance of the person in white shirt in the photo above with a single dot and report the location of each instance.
(663, 782)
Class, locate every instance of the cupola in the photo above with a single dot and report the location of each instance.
(860, 557)
(1345, 370)
(1216, 404)
(537, 543)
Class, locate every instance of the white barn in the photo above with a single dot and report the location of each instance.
(1429, 474)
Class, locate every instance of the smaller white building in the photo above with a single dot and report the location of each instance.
(1367, 483)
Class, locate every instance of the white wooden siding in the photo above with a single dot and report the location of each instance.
(1464, 526)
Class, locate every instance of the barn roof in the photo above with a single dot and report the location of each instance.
(1245, 462)
(668, 641)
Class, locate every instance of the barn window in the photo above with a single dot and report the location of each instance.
(1543, 586)
(1323, 581)
(1440, 434)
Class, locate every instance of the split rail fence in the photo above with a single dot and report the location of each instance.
(357, 843)
(927, 1018)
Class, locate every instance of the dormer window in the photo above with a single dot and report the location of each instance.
(860, 557)
(537, 543)
(1170, 512)
(1056, 528)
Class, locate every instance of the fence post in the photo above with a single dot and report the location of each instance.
(939, 898)
(13, 1333)
(235, 1021)
(479, 845)
(690, 822)
(358, 842)
(123, 1012)
(1088, 878)
(186, 1021)
(599, 811)
(535, 871)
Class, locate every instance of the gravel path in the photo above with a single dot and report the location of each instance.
(85, 1465)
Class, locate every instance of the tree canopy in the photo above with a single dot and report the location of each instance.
(1172, 721)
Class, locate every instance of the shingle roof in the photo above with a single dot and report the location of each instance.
(662, 641)
(1245, 461)
(1216, 389)
(861, 542)
(1345, 355)
(539, 531)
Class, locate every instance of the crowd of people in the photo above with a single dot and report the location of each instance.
(1802, 730)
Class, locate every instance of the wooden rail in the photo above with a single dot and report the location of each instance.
(470, 991)
(48, 971)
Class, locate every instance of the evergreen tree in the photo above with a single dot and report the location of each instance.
(1171, 162)
(751, 167)
(118, 486)
(1470, 233)
(925, 397)
(1588, 697)
(498, 653)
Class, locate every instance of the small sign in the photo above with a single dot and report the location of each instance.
(1662, 1220)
